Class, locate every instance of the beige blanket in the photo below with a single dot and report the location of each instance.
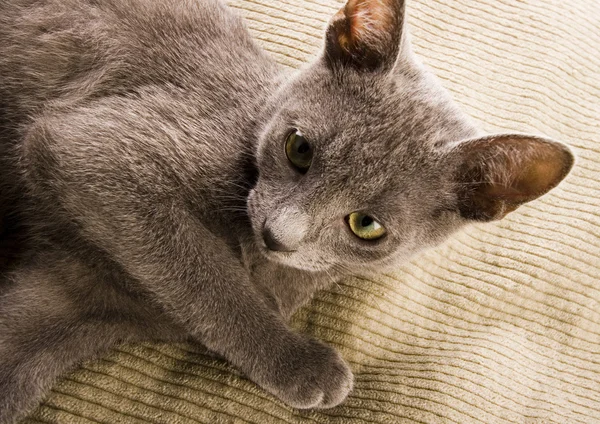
(501, 324)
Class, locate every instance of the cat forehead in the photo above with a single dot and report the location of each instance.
(399, 111)
(376, 133)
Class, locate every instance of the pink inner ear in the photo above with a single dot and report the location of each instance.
(369, 20)
(539, 176)
(529, 169)
(366, 34)
(512, 170)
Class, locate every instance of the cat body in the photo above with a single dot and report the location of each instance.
(143, 147)
(202, 119)
(104, 76)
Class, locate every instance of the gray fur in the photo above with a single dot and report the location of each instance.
(141, 145)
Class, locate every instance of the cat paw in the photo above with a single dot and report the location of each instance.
(310, 375)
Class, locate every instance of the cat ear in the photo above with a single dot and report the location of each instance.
(366, 34)
(498, 173)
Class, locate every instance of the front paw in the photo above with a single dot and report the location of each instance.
(309, 374)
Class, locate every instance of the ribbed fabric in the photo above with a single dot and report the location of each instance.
(501, 324)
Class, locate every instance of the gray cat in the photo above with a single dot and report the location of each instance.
(164, 179)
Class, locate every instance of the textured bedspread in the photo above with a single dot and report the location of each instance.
(500, 324)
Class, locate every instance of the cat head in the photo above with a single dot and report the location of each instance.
(366, 160)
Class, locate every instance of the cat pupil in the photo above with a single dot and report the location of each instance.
(366, 221)
(303, 148)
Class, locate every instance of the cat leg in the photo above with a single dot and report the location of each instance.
(44, 332)
(205, 289)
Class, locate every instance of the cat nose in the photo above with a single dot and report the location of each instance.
(272, 242)
(285, 229)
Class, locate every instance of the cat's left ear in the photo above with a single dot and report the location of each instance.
(497, 174)
(366, 34)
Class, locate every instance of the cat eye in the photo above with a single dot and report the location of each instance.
(364, 226)
(299, 151)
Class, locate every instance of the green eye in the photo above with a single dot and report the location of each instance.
(298, 151)
(364, 226)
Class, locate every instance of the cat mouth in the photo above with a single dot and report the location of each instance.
(280, 257)
(275, 255)
(286, 259)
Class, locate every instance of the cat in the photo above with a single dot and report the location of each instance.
(167, 180)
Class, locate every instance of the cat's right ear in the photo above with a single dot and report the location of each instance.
(496, 174)
(365, 34)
